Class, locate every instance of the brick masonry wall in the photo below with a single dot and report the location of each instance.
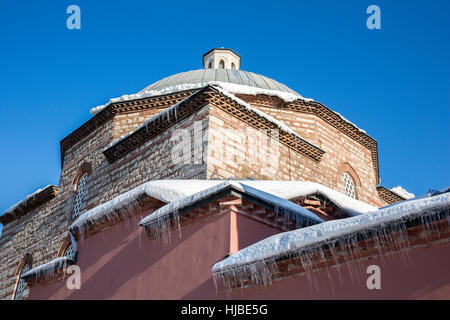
(236, 150)
(246, 160)
(42, 230)
(125, 123)
(339, 149)
(39, 233)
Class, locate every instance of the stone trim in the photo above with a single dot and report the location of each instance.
(389, 196)
(84, 168)
(23, 208)
(346, 167)
(65, 244)
(27, 259)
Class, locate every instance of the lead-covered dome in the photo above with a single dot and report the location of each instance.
(221, 68)
(239, 77)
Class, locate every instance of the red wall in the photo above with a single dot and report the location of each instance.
(424, 275)
(123, 263)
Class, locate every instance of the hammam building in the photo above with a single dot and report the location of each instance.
(222, 183)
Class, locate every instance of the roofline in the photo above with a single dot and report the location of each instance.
(122, 107)
(27, 205)
(330, 243)
(223, 49)
(143, 134)
(233, 190)
(389, 196)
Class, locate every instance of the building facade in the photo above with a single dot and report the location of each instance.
(217, 123)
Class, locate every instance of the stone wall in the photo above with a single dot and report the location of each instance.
(40, 232)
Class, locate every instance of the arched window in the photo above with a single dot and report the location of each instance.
(222, 64)
(349, 185)
(23, 267)
(233, 66)
(68, 248)
(210, 65)
(70, 252)
(81, 191)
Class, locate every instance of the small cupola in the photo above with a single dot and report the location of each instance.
(221, 58)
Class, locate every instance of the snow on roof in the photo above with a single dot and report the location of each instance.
(349, 122)
(164, 190)
(27, 198)
(48, 268)
(173, 108)
(294, 189)
(277, 202)
(169, 191)
(163, 113)
(314, 236)
(230, 87)
(262, 114)
(402, 193)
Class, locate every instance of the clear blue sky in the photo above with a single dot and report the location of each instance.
(393, 82)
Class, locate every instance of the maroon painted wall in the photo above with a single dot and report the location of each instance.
(124, 263)
(424, 275)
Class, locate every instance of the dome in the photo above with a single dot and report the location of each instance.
(239, 77)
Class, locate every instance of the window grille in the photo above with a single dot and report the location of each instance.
(349, 185)
(22, 283)
(70, 252)
(81, 190)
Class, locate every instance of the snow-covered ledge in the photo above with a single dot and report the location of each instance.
(48, 269)
(173, 209)
(163, 190)
(258, 259)
(230, 87)
(173, 109)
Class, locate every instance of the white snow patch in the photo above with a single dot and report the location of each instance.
(24, 201)
(164, 190)
(169, 191)
(262, 114)
(277, 202)
(231, 87)
(48, 268)
(402, 193)
(300, 239)
(294, 189)
(348, 121)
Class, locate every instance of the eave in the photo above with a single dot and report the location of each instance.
(389, 196)
(209, 95)
(27, 205)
